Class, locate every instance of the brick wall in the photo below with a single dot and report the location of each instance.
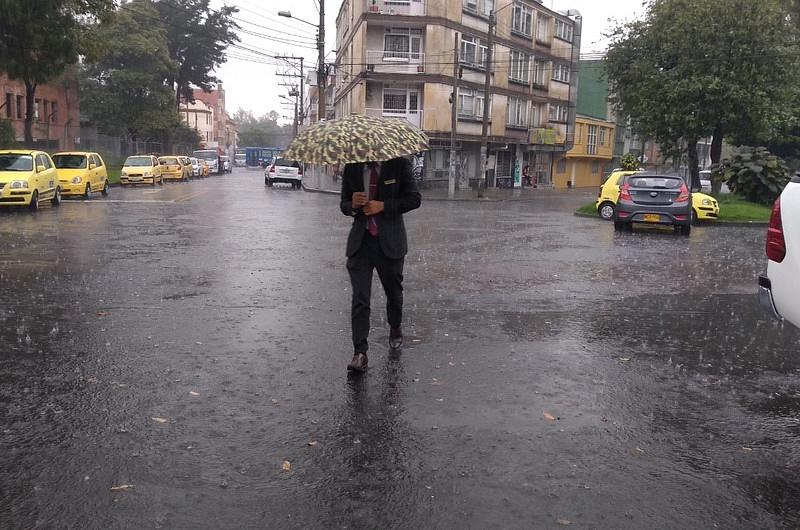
(58, 122)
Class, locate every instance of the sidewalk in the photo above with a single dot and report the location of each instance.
(490, 195)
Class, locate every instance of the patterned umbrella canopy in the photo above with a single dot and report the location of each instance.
(356, 138)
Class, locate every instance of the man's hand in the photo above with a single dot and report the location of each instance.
(373, 207)
(359, 199)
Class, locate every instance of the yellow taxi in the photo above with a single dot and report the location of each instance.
(706, 207)
(81, 173)
(27, 178)
(141, 169)
(172, 168)
(188, 168)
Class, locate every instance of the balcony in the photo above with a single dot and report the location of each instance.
(396, 7)
(385, 61)
(543, 136)
(414, 117)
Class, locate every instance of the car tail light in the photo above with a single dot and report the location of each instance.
(684, 196)
(776, 244)
(625, 193)
(300, 171)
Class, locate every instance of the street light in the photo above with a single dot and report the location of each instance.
(321, 81)
(288, 14)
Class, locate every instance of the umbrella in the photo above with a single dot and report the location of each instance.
(356, 138)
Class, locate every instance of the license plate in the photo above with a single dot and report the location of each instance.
(652, 218)
(136, 179)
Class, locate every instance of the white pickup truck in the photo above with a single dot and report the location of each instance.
(779, 287)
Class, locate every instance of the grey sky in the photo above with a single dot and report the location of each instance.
(252, 85)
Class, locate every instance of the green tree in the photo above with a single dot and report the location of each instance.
(40, 38)
(197, 37)
(124, 90)
(261, 132)
(692, 69)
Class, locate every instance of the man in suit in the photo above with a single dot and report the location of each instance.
(377, 195)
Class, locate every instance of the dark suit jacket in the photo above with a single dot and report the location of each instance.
(399, 193)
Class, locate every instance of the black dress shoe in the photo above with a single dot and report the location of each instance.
(359, 363)
(396, 338)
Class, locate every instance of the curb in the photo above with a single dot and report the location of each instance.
(727, 224)
(439, 199)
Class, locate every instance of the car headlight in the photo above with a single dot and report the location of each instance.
(124, 174)
(76, 180)
(19, 184)
(706, 202)
(148, 173)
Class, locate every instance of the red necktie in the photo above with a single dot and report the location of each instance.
(372, 223)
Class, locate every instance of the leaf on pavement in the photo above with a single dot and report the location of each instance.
(101, 314)
(286, 466)
(549, 417)
(563, 522)
(747, 449)
(193, 393)
(122, 487)
(312, 444)
(624, 359)
(159, 420)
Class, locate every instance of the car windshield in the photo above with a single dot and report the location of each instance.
(193, 161)
(70, 161)
(138, 161)
(287, 163)
(664, 183)
(16, 162)
(168, 161)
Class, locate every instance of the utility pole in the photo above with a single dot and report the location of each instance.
(451, 182)
(321, 111)
(487, 98)
(302, 77)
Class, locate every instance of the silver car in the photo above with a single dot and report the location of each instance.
(654, 199)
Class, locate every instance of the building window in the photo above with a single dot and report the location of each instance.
(522, 21)
(36, 104)
(559, 113)
(473, 51)
(402, 43)
(537, 115)
(394, 101)
(591, 144)
(602, 136)
(539, 73)
(595, 166)
(517, 112)
(543, 28)
(45, 111)
(561, 72)
(54, 112)
(470, 103)
(561, 167)
(471, 6)
(20, 107)
(564, 30)
(520, 67)
(9, 105)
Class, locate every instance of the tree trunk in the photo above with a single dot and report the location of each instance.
(716, 156)
(30, 95)
(694, 170)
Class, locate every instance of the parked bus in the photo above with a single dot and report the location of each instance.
(261, 156)
(211, 156)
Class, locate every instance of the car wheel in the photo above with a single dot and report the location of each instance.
(268, 182)
(105, 189)
(87, 194)
(161, 181)
(606, 211)
(695, 218)
(34, 205)
(56, 200)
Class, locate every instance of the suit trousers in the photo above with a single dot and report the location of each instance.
(390, 271)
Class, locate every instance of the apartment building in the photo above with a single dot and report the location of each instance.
(56, 111)
(199, 115)
(402, 59)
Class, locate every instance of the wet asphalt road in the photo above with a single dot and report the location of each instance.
(555, 374)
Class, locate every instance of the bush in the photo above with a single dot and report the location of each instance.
(7, 137)
(629, 162)
(754, 174)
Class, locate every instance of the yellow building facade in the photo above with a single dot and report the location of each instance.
(404, 58)
(590, 157)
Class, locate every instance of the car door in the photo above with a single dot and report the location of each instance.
(47, 177)
(102, 171)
